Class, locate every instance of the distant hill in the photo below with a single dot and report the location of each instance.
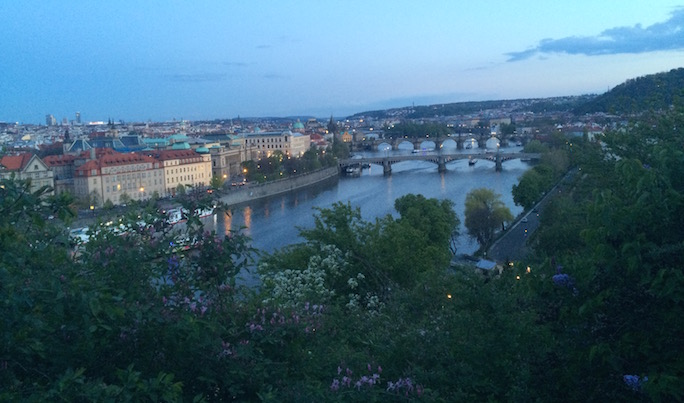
(555, 104)
(651, 92)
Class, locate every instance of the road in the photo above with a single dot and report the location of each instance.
(512, 245)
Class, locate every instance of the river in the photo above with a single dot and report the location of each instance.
(272, 223)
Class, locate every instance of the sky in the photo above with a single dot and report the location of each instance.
(154, 60)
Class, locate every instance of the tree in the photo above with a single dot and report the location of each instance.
(484, 213)
(217, 182)
(528, 190)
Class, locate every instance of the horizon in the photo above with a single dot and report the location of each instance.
(146, 62)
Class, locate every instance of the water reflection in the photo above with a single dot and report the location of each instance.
(272, 223)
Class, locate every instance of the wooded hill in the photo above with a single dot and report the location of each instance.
(652, 92)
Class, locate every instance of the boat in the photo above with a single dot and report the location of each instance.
(472, 161)
(79, 235)
(353, 170)
(205, 212)
(175, 216)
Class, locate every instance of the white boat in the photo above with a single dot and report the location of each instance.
(175, 216)
(472, 161)
(206, 212)
(79, 235)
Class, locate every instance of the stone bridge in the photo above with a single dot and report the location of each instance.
(438, 158)
(459, 139)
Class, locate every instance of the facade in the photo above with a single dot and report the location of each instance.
(27, 167)
(225, 161)
(114, 174)
(62, 166)
(264, 144)
(182, 167)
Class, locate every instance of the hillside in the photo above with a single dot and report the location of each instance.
(652, 92)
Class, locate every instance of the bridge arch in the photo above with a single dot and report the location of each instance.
(449, 144)
(384, 146)
(403, 144)
(427, 145)
(492, 143)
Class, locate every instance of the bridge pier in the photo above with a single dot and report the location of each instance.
(386, 167)
(441, 165)
(498, 167)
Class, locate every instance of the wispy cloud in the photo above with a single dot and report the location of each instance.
(198, 78)
(236, 64)
(668, 35)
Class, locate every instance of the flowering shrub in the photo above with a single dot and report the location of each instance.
(292, 287)
(371, 382)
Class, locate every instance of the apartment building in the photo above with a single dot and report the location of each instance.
(264, 144)
(182, 167)
(113, 175)
(27, 166)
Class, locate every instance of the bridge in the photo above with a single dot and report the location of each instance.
(458, 138)
(438, 158)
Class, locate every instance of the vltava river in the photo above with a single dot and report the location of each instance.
(272, 223)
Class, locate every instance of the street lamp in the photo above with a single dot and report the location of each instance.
(142, 192)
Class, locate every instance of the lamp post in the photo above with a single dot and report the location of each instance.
(142, 192)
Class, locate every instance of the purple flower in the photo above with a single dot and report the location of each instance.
(634, 382)
(562, 280)
(335, 385)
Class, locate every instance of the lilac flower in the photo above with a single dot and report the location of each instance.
(335, 385)
(634, 382)
(562, 280)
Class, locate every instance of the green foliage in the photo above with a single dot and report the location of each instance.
(484, 214)
(652, 92)
(361, 311)
(617, 233)
(217, 182)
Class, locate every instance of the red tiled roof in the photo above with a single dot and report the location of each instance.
(16, 162)
(164, 155)
(113, 159)
(58, 160)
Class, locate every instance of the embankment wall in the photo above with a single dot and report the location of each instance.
(259, 191)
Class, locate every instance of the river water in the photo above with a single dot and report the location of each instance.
(272, 223)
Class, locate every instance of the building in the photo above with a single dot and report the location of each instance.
(62, 166)
(27, 167)
(113, 175)
(182, 167)
(225, 161)
(264, 144)
(50, 120)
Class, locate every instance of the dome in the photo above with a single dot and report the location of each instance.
(180, 146)
(202, 150)
(298, 125)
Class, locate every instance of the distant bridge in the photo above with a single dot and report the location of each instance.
(438, 158)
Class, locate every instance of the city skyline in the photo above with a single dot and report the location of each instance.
(161, 61)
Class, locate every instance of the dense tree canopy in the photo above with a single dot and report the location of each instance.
(360, 311)
(484, 214)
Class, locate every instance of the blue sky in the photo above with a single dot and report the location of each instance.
(159, 60)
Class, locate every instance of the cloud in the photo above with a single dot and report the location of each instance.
(198, 78)
(236, 64)
(668, 35)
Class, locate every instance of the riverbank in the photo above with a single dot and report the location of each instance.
(252, 192)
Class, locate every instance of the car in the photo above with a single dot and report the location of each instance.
(524, 219)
